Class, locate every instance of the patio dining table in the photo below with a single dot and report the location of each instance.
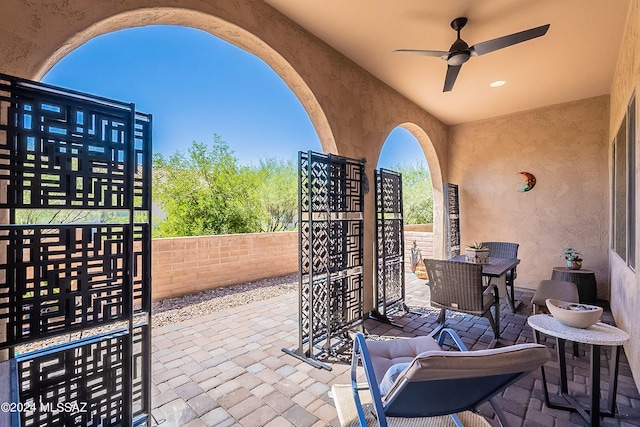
(497, 269)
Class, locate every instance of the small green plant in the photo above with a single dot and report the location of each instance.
(571, 254)
(476, 245)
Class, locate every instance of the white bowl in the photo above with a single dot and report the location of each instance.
(574, 314)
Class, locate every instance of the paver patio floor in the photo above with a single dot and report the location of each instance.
(228, 368)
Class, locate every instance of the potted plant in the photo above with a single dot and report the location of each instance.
(477, 253)
(417, 265)
(573, 257)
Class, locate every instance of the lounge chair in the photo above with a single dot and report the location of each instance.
(436, 382)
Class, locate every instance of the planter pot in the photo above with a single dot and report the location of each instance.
(477, 256)
(575, 264)
(421, 273)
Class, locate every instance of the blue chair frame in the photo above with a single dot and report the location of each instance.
(405, 402)
(360, 352)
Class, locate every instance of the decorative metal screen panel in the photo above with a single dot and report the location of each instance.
(389, 241)
(67, 155)
(331, 201)
(63, 278)
(452, 220)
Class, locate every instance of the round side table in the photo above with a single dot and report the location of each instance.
(585, 280)
(596, 336)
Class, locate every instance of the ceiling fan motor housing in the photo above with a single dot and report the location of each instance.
(459, 53)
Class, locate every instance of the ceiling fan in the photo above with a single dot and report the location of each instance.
(460, 52)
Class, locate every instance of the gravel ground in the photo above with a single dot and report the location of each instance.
(172, 310)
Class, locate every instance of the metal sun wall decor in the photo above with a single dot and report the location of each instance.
(529, 184)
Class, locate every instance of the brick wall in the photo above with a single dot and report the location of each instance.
(418, 227)
(184, 265)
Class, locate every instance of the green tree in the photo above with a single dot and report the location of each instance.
(69, 216)
(417, 192)
(51, 216)
(204, 191)
(278, 194)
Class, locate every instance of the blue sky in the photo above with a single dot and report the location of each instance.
(195, 85)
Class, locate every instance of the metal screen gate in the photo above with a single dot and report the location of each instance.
(390, 289)
(330, 221)
(78, 291)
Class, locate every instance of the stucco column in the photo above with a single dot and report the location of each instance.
(369, 239)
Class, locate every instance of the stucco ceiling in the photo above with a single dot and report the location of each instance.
(574, 60)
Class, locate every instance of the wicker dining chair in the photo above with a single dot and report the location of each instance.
(505, 250)
(458, 286)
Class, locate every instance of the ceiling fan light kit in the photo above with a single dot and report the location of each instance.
(460, 52)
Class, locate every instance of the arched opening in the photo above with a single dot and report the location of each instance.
(402, 152)
(408, 149)
(256, 114)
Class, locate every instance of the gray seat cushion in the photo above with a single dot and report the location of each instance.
(474, 366)
(384, 354)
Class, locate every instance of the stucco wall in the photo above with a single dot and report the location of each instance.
(625, 283)
(565, 147)
(352, 111)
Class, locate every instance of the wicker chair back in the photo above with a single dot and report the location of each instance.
(502, 249)
(456, 285)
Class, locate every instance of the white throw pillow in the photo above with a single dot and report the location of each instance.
(390, 377)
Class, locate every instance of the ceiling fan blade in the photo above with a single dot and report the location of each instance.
(437, 53)
(452, 75)
(506, 41)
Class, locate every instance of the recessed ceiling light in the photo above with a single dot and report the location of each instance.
(497, 83)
